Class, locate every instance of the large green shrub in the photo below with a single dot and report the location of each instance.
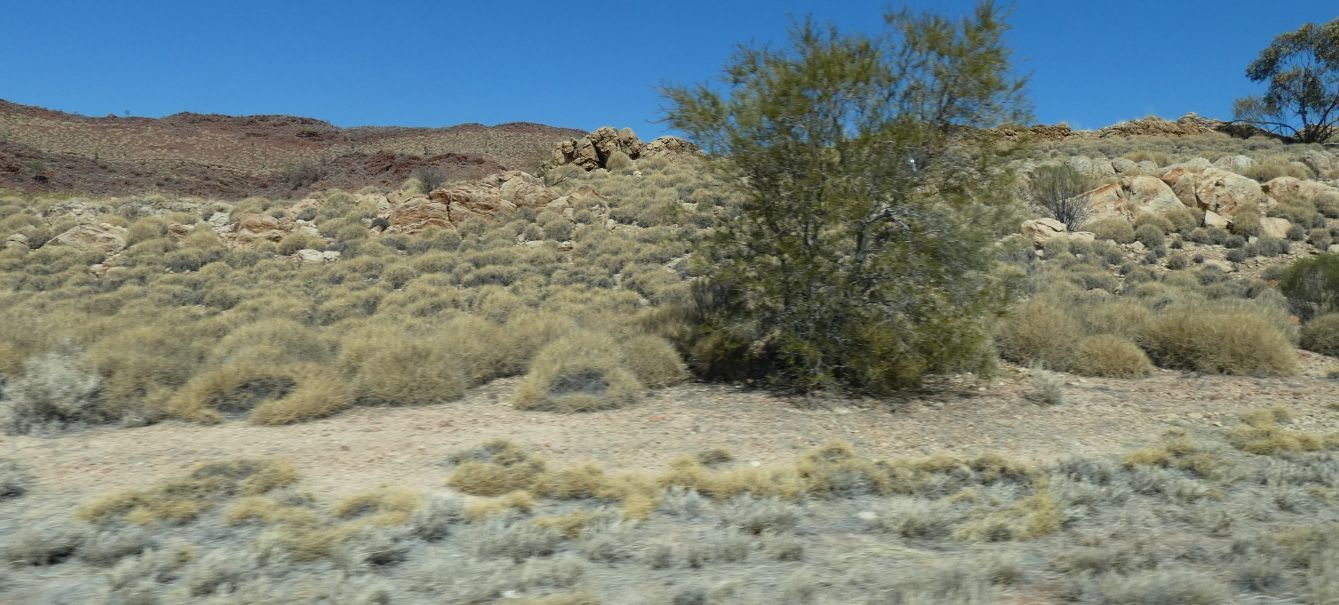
(861, 255)
(1312, 284)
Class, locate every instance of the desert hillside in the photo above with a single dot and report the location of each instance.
(234, 157)
(483, 390)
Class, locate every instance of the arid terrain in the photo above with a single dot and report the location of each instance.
(372, 389)
(236, 157)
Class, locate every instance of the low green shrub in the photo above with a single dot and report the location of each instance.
(1321, 335)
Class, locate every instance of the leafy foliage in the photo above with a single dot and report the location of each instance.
(1302, 70)
(859, 254)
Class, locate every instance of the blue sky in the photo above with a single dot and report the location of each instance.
(579, 64)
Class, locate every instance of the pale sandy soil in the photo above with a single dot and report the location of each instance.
(405, 447)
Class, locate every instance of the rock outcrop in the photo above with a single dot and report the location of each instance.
(594, 150)
(93, 237)
(1042, 230)
(445, 208)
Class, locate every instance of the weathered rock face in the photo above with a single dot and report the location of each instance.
(1275, 228)
(495, 195)
(1042, 230)
(252, 229)
(594, 150)
(1224, 192)
(1131, 197)
(1150, 194)
(1098, 167)
(1234, 163)
(1213, 219)
(1290, 186)
(93, 237)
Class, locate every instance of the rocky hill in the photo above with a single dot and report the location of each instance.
(237, 156)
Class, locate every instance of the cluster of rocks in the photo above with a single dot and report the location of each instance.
(1216, 188)
(594, 150)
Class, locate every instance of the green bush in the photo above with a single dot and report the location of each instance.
(1150, 235)
(1321, 335)
(847, 265)
(1312, 284)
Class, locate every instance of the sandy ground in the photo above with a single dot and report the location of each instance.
(405, 447)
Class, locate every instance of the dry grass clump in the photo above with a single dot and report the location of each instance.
(56, 390)
(1157, 587)
(1038, 332)
(582, 372)
(1233, 341)
(1261, 433)
(1321, 335)
(14, 479)
(494, 468)
(1178, 450)
(181, 500)
(1111, 356)
(389, 366)
(653, 360)
(1114, 228)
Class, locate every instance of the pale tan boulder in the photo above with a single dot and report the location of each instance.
(93, 237)
(1223, 192)
(1274, 227)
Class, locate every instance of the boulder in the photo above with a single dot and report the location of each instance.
(1213, 219)
(1192, 165)
(1125, 166)
(17, 240)
(308, 255)
(1098, 167)
(1333, 249)
(669, 146)
(1291, 186)
(1106, 201)
(1148, 166)
(93, 237)
(1223, 192)
(418, 214)
(1274, 227)
(1149, 194)
(1320, 162)
(1042, 230)
(1234, 163)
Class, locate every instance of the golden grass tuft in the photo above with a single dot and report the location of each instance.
(653, 360)
(1111, 356)
(581, 372)
(182, 500)
(494, 468)
(482, 510)
(1260, 433)
(390, 366)
(1233, 341)
(1037, 332)
(269, 511)
(380, 507)
(569, 524)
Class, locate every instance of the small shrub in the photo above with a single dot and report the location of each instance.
(1176, 262)
(1150, 235)
(1320, 238)
(1059, 190)
(1321, 335)
(653, 361)
(1111, 356)
(581, 372)
(1159, 587)
(1038, 332)
(1220, 342)
(429, 177)
(56, 390)
(14, 479)
(43, 543)
(1113, 228)
(299, 240)
(1297, 233)
(184, 499)
(1312, 284)
(391, 367)
(1047, 388)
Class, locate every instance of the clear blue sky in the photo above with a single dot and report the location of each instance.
(578, 64)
